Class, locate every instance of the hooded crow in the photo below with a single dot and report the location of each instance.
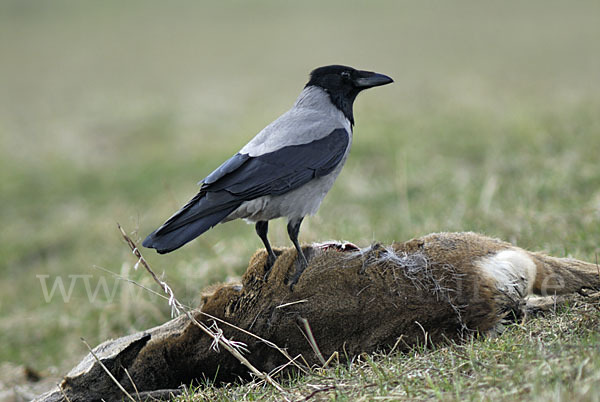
(285, 171)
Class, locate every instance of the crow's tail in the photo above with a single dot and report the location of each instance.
(201, 213)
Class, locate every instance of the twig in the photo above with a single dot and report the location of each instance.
(400, 339)
(177, 307)
(424, 333)
(62, 391)
(112, 377)
(122, 278)
(316, 391)
(267, 342)
(279, 369)
(193, 310)
(291, 303)
(334, 355)
(132, 383)
(311, 340)
(172, 301)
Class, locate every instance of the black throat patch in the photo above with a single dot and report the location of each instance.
(344, 102)
(337, 81)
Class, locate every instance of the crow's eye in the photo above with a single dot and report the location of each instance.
(345, 74)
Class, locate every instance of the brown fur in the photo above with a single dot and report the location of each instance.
(563, 275)
(428, 289)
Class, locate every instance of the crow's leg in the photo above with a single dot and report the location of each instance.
(293, 229)
(262, 227)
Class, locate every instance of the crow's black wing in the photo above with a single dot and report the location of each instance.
(243, 178)
(280, 171)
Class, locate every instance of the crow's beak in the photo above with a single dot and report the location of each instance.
(368, 79)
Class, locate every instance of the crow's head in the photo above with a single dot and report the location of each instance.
(344, 83)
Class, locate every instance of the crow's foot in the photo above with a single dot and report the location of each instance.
(301, 264)
(271, 258)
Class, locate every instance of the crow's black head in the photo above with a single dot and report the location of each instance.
(344, 83)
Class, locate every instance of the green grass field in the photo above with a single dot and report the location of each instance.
(111, 112)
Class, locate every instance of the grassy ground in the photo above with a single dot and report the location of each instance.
(111, 112)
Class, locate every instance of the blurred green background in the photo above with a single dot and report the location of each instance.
(111, 111)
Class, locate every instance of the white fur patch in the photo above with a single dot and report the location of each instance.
(511, 269)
